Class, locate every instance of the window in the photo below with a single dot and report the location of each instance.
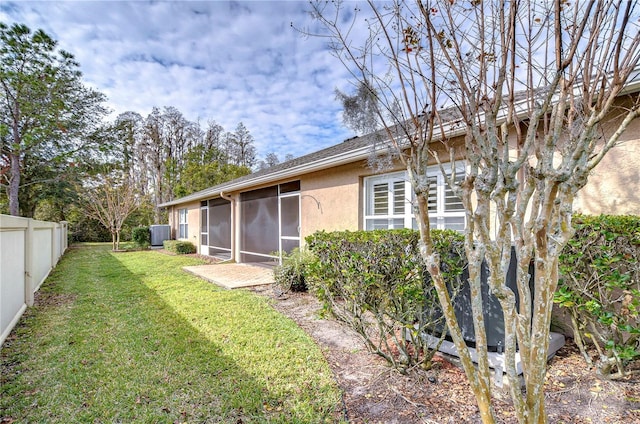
(386, 202)
(389, 202)
(182, 224)
(445, 208)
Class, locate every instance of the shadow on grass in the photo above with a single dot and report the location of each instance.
(101, 346)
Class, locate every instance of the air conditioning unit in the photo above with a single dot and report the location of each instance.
(160, 233)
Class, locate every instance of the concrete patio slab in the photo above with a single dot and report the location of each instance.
(233, 276)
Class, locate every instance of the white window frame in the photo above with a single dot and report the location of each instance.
(392, 217)
(183, 223)
(438, 218)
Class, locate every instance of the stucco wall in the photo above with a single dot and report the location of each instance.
(193, 221)
(331, 200)
(172, 220)
(614, 185)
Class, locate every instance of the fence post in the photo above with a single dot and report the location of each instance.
(28, 263)
(64, 237)
(54, 256)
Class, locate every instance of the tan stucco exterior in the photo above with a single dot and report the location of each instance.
(614, 185)
(193, 222)
(331, 200)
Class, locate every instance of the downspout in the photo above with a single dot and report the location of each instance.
(235, 228)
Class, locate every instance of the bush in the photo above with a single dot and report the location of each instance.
(179, 247)
(141, 236)
(292, 274)
(87, 230)
(599, 287)
(377, 283)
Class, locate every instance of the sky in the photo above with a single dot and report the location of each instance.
(226, 61)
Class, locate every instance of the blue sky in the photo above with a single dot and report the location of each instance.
(227, 61)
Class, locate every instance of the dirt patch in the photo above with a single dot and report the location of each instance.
(45, 299)
(374, 393)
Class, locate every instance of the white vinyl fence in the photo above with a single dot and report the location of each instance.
(29, 250)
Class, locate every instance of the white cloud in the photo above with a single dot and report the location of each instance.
(227, 61)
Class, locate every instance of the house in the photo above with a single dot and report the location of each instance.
(252, 218)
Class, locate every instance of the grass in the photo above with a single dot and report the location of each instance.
(129, 337)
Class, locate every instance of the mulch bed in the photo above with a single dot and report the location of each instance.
(375, 393)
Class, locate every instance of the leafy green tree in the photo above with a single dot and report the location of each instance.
(83, 228)
(47, 115)
(205, 168)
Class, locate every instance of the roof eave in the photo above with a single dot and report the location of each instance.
(318, 165)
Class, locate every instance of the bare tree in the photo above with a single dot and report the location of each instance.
(158, 150)
(213, 136)
(179, 135)
(531, 95)
(151, 153)
(270, 159)
(128, 129)
(166, 138)
(243, 151)
(110, 200)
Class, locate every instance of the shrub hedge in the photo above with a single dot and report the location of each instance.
(599, 287)
(377, 283)
(180, 247)
(292, 274)
(141, 236)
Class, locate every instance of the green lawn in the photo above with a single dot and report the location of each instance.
(130, 337)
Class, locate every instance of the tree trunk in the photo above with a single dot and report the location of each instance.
(480, 382)
(480, 385)
(14, 185)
